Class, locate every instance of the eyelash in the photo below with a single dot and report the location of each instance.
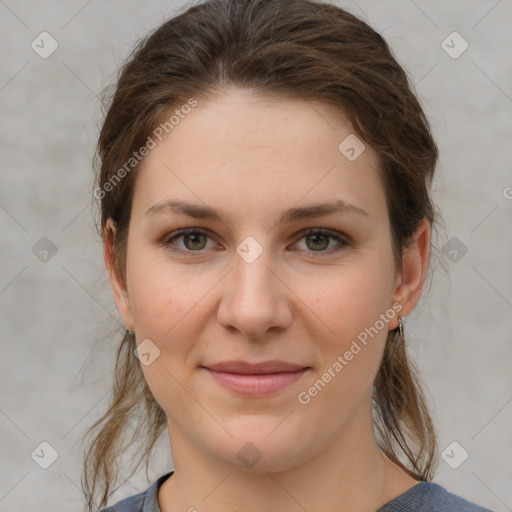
(308, 232)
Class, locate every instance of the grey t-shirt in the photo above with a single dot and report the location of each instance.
(423, 497)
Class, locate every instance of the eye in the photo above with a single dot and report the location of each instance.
(194, 240)
(318, 240)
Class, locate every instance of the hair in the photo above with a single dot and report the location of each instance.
(286, 49)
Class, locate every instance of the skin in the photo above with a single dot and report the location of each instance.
(252, 158)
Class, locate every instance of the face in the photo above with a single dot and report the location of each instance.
(267, 272)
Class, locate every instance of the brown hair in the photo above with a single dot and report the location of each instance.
(298, 49)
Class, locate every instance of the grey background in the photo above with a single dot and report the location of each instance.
(59, 322)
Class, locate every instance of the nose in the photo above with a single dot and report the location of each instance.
(254, 300)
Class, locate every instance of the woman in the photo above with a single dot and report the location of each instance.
(264, 190)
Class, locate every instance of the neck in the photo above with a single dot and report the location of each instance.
(349, 474)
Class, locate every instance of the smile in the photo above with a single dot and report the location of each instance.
(256, 384)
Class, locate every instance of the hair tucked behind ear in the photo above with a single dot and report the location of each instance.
(294, 49)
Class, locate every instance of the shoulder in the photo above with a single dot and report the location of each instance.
(131, 504)
(430, 497)
(146, 501)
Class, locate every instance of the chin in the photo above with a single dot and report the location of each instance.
(262, 444)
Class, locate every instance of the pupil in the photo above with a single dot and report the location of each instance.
(194, 237)
(317, 236)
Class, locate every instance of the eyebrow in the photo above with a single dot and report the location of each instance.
(198, 211)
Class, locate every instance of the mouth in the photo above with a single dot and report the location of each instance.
(256, 379)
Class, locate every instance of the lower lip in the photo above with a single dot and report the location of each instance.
(264, 384)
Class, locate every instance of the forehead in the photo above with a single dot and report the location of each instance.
(259, 153)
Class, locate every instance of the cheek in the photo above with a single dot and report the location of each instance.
(354, 334)
(166, 309)
(350, 347)
(349, 299)
(161, 295)
(167, 303)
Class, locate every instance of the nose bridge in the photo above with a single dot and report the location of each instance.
(252, 279)
(253, 300)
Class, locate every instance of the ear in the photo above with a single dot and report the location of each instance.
(117, 283)
(415, 259)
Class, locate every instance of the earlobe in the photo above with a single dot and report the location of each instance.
(415, 259)
(117, 283)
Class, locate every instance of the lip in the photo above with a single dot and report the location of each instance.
(247, 368)
(256, 378)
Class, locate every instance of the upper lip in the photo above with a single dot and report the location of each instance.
(264, 367)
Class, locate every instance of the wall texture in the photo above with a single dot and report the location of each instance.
(59, 321)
